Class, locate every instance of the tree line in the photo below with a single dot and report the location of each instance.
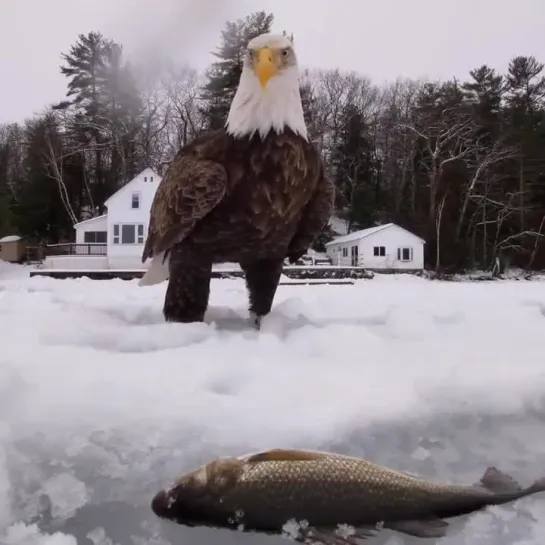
(460, 163)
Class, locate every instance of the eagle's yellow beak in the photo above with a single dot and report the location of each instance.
(265, 65)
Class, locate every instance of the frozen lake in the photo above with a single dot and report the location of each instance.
(102, 404)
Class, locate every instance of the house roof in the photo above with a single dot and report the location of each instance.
(358, 235)
(148, 170)
(90, 220)
(10, 238)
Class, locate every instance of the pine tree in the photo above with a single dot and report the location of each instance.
(352, 161)
(11, 174)
(5, 208)
(41, 200)
(526, 103)
(485, 92)
(6, 217)
(104, 110)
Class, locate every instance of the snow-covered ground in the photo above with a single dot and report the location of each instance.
(102, 404)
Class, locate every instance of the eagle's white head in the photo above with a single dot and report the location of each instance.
(268, 94)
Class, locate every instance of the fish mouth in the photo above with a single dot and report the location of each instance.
(164, 505)
(161, 504)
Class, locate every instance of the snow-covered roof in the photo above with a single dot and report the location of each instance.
(338, 225)
(90, 220)
(10, 238)
(358, 235)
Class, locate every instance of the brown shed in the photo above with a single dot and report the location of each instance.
(12, 249)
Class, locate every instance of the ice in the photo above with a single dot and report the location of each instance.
(20, 534)
(102, 403)
(66, 494)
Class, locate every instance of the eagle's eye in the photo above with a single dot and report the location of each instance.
(285, 52)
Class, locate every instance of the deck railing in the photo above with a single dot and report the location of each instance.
(38, 253)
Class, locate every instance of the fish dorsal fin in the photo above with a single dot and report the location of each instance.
(499, 482)
(285, 455)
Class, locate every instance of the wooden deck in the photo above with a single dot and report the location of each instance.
(317, 275)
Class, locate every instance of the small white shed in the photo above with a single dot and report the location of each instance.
(384, 247)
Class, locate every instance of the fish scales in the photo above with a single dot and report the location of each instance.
(326, 490)
(262, 492)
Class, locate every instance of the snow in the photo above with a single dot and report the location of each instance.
(358, 235)
(338, 225)
(102, 403)
(10, 238)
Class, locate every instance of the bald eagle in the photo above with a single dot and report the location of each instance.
(254, 192)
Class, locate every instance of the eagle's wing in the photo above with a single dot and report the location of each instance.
(315, 217)
(191, 189)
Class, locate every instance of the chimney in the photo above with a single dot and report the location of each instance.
(164, 167)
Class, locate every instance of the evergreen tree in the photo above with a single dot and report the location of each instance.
(104, 110)
(525, 99)
(485, 93)
(6, 217)
(11, 174)
(5, 201)
(41, 202)
(352, 161)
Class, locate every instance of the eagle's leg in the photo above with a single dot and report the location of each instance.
(186, 298)
(262, 277)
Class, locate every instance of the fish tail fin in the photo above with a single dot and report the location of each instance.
(499, 482)
(537, 486)
(157, 272)
(502, 484)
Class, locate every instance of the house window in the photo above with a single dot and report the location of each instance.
(404, 254)
(135, 203)
(379, 251)
(151, 178)
(129, 233)
(345, 252)
(145, 178)
(95, 237)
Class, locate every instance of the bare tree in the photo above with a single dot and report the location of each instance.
(54, 169)
(438, 221)
(397, 147)
(446, 139)
(183, 117)
(483, 158)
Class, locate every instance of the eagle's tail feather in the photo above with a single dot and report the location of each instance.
(157, 272)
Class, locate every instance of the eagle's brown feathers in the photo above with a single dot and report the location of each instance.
(238, 199)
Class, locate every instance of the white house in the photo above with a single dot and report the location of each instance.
(114, 240)
(387, 246)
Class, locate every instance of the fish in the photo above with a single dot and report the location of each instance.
(325, 497)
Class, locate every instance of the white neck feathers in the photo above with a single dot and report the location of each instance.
(276, 107)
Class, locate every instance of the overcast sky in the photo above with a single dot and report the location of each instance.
(380, 38)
